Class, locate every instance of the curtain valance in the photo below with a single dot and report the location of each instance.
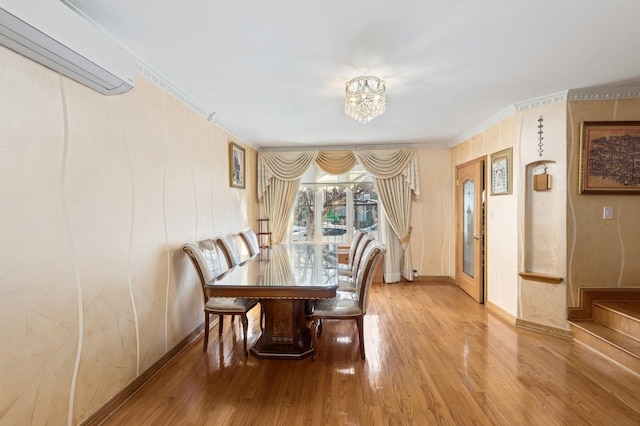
(384, 163)
(380, 163)
(285, 166)
(389, 163)
(336, 162)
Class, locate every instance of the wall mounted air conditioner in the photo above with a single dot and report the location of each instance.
(55, 36)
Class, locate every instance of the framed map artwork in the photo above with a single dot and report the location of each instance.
(609, 157)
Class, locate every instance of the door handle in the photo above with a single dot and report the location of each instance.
(477, 237)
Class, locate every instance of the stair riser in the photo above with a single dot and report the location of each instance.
(617, 321)
(606, 349)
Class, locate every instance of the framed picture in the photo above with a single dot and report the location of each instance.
(236, 166)
(501, 173)
(609, 157)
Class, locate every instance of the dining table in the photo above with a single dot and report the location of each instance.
(286, 279)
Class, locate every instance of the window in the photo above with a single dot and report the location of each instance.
(336, 205)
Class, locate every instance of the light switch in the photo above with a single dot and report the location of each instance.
(607, 212)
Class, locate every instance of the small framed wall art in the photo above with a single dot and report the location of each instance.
(501, 173)
(236, 166)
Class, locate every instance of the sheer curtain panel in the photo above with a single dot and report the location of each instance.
(395, 175)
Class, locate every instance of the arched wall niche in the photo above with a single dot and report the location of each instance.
(543, 214)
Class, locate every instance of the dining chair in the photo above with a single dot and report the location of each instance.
(348, 282)
(206, 259)
(345, 268)
(251, 241)
(229, 246)
(349, 307)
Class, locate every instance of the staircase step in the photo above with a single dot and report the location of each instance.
(620, 316)
(611, 343)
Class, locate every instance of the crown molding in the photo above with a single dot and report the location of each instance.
(148, 71)
(168, 86)
(541, 101)
(591, 94)
(152, 74)
(349, 147)
(234, 133)
(509, 111)
(604, 94)
(164, 83)
(492, 121)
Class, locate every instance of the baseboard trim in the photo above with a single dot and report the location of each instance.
(109, 407)
(433, 279)
(546, 329)
(501, 313)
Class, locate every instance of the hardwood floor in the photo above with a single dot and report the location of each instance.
(434, 356)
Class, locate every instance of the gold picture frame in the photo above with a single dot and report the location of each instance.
(609, 157)
(501, 172)
(236, 166)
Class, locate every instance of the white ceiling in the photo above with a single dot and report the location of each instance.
(274, 70)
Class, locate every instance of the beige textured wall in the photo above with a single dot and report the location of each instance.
(93, 285)
(517, 239)
(501, 213)
(542, 216)
(601, 253)
(559, 232)
(431, 212)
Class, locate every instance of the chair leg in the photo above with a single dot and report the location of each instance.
(314, 336)
(206, 330)
(220, 322)
(360, 323)
(245, 326)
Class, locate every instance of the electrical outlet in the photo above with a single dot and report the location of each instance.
(607, 212)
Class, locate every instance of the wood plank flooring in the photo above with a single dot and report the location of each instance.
(434, 356)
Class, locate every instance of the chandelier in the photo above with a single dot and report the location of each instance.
(365, 98)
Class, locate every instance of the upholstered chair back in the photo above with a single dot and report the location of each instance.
(362, 245)
(251, 240)
(205, 258)
(229, 247)
(357, 236)
(373, 253)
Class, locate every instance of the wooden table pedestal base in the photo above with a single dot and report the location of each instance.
(286, 334)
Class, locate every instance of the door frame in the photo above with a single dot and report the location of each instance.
(483, 255)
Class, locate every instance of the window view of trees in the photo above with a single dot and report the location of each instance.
(365, 204)
(336, 209)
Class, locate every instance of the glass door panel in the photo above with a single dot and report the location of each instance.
(468, 228)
